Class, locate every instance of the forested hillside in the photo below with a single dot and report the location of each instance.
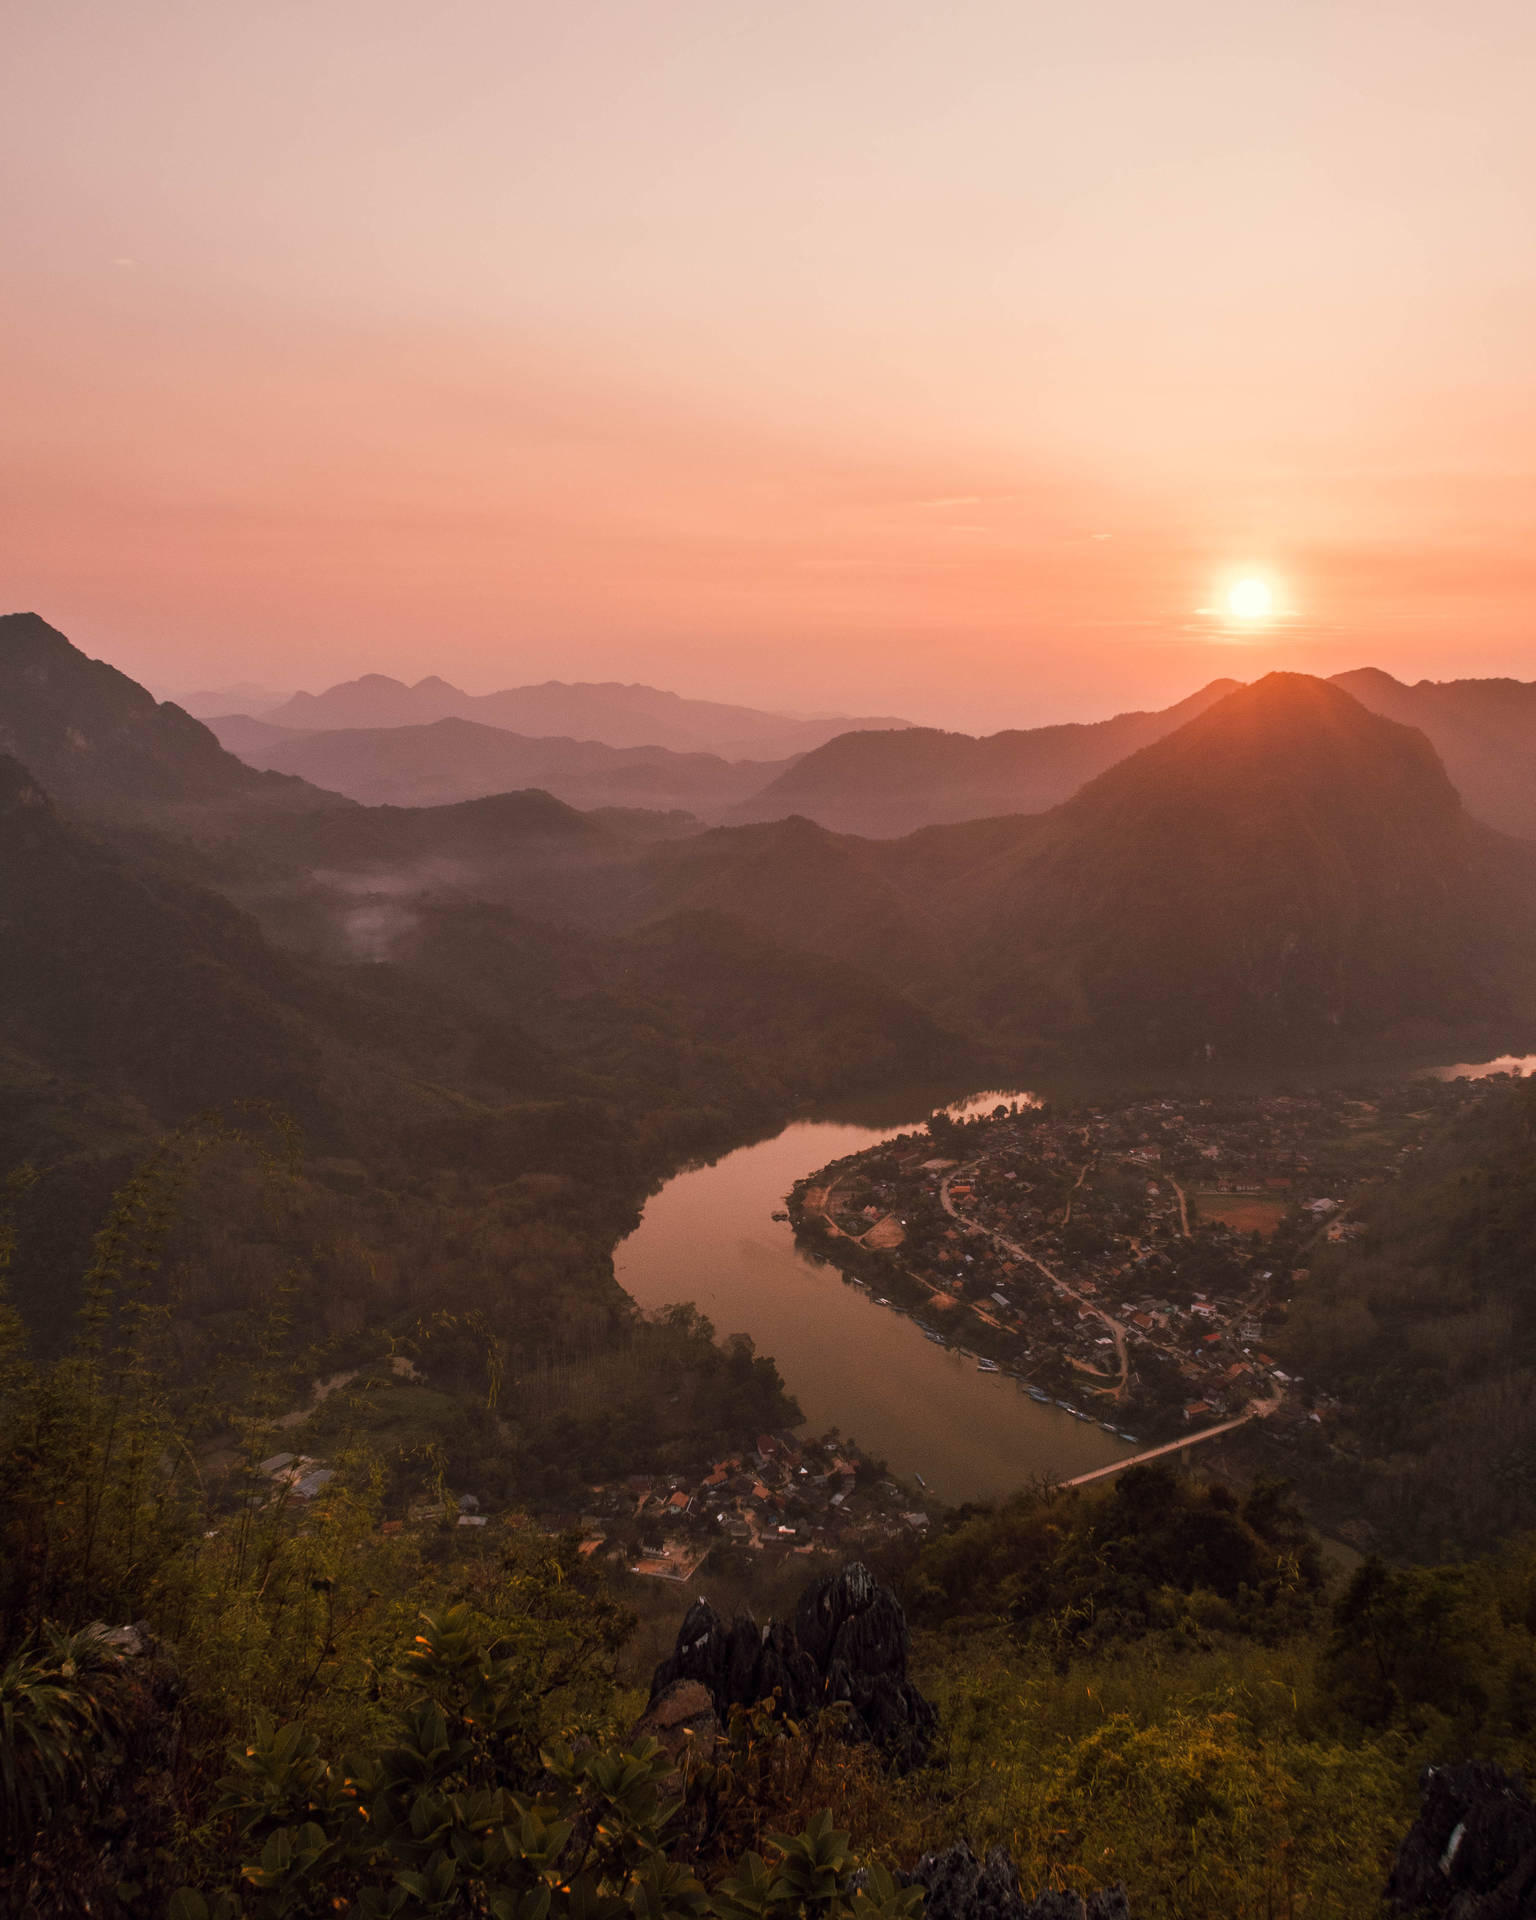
(1425, 1327)
(1285, 872)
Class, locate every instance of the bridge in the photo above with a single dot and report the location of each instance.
(1169, 1446)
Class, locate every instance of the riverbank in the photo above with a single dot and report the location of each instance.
(1125, 1262)
(709, 1236)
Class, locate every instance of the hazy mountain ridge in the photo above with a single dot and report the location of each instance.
(1285, 869)
(612, 713)
(869, 779)
(1286, 864)
(443, 761)
(883, 785)
(888, 784)
(133, 959)
(1484, 731)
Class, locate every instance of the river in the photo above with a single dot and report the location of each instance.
(709, 1236)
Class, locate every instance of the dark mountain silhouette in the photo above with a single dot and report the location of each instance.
(134, 982)
(614, 714)
(108, 754)
(455, 759)
(1285, 870)
(102, 746)
(1484, 731)
(172, 942)
(884, 784)
(134, 1000)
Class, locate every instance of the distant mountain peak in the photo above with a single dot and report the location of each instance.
(888, 783)
(610, 713)
(1357, 677)
(1286, 730)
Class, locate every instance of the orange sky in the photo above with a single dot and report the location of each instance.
(853, 354)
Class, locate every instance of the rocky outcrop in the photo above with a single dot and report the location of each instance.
(681, 1719)
(1471, 1854)
(848, 1646)
(959, 1886)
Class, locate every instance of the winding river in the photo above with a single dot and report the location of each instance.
(709, 1236)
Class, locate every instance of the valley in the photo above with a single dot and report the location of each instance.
(768, 962)
(411, 1181)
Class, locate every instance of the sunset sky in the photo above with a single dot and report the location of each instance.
(856, 355)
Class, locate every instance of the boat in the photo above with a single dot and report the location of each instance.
(988, 1366)
(920, 1480)
(1078, 1414)
(780, 1216)
(1130, 1438)
(1108, 1428)
(1035, 1393)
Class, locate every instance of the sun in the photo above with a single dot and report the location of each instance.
(1251, 599)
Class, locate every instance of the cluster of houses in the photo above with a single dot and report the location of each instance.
(784, 1496)
(1129, 1262)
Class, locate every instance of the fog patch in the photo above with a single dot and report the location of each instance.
(374, 912)
(373, 929)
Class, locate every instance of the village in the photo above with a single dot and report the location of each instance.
(786, 1497)
(1129, 1263)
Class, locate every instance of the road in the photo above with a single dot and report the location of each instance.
(1117, 1332)
(1183, 1204)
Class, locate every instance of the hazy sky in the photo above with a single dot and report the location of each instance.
(862, 355)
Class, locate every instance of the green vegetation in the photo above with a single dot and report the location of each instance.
(1149, 1683)
(1152, 1684)
(1425, 1329)
(225, 1689)
(1075, 1577)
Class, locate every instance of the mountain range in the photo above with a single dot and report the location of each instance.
(453, 759)
(886, 784)
(1285, 870)
(615, 714)
(876, 781)
(181, 931)
(1484, 731)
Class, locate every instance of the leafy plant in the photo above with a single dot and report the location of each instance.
(429, 1824)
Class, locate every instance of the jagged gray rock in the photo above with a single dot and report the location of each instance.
(848, 1646)
(1471, 1854)
(959, 1886)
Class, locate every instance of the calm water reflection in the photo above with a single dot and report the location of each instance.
(708, 1236)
